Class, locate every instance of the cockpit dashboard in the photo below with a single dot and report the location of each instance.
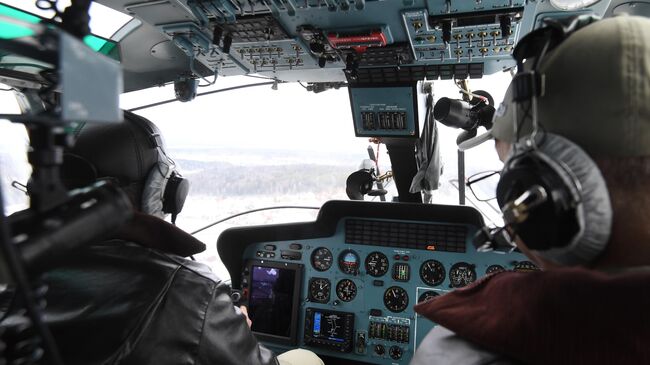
(345, 285)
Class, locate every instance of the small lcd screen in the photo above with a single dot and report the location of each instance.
(271, 300)
(329, 326)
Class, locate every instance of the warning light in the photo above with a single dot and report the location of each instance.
(431, 247)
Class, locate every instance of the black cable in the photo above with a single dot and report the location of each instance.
(201, 94)
(48, 5)
(25, 64)
(260, 77)
(23, 287)
(249, 212)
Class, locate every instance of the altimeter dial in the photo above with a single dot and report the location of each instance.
(346, 290)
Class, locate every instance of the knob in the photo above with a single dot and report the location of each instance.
(380, 350)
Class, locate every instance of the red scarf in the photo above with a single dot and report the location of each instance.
(563, 316)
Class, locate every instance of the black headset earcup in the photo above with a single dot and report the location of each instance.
(573, 227)
(175, 194)
(554, 223)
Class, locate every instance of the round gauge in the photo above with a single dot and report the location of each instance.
(427, 295)
(376, 264)
(461, 274)
(346, 290)
(319, 290)
(494, 269)
(525, 266)
(349, 262)
(395, 352)
(396, 299)
(432, 272)
(321, 259)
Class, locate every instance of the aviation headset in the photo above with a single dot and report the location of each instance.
(163, 190)
(551, 192)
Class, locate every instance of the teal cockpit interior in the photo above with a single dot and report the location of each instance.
(412, 78)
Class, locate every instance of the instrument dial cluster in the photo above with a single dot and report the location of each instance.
(377, 264)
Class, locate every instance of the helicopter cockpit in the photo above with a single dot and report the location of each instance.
(343, 285)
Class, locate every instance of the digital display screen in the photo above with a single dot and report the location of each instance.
(329, 329)
(329, 326)
(270, 303)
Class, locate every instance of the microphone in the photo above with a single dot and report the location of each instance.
(89, 215)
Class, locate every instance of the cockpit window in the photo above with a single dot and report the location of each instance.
(99, 15)
(258, 147)
(12, 30)
(14, 169)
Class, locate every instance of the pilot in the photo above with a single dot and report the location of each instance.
(136, 299)
(589, 304)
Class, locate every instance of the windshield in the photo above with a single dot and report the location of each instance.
(259, 147)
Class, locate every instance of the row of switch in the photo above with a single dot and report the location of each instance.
(389, 332)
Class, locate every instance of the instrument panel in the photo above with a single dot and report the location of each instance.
(362, 268)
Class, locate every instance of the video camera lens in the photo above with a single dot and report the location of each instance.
(454, 113)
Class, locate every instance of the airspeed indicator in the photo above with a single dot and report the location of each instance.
(376, 264)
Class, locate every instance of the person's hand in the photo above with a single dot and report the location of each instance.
(244, 311)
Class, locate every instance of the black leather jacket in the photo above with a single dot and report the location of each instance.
(119, 302)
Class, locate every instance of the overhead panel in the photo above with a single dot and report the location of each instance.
(358, 41)
(463, 37)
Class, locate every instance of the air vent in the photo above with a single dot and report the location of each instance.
(407, 74)
(420, 236)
